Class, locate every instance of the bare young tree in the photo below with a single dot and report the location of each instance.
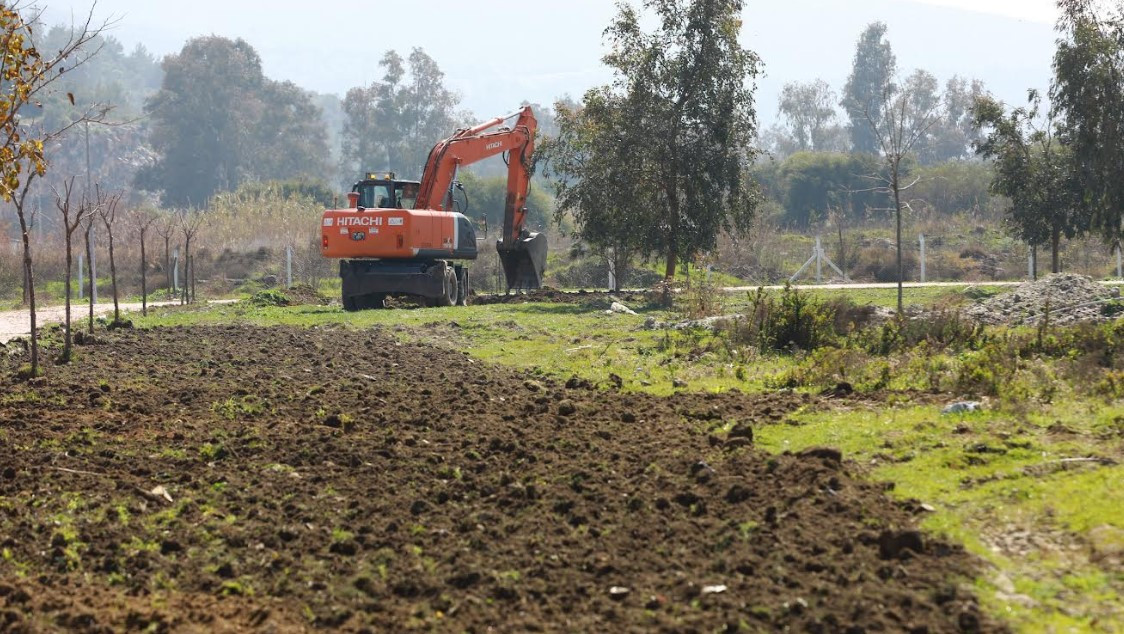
(27, 79)
(142, 221)
(71, 220)
(906, 118)
(190, 223)
(27, 219)
(166, 225)
(107, 210)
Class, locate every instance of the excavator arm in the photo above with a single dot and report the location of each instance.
(523, 254)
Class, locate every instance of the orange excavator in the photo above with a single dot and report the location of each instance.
(402, 238)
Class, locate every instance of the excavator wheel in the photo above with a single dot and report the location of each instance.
(450, 296)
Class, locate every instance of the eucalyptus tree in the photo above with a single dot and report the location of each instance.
(658, 160)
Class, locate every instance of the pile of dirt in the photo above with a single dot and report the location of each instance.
(232, 478)
(1069, 298)
(596, 299)
(301, 294)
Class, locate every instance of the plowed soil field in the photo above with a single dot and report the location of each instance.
(240, 478)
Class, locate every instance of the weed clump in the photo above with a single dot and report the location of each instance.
(792, 321)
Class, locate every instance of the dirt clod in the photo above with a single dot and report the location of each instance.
(894, 544)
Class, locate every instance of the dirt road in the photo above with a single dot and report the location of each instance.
(15, 323)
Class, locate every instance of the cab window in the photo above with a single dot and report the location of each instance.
(375, 196)
(406, 195)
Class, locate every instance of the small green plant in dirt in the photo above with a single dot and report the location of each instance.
(271, 297)
(209, 452)
(235, 408)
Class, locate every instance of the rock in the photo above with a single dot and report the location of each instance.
(533, 386)
(962, 407)
(617, 307)
(715, 589)
(893, 544)
(617, 593)
(678, 383)
(566, 407)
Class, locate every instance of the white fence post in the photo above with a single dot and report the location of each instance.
(289, 266)
(819, 261)
(921, 238)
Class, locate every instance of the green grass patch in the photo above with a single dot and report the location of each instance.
(1025, 493)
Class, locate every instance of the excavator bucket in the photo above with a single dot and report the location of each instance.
(524, 261)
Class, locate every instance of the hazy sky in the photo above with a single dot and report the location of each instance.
(499, 52)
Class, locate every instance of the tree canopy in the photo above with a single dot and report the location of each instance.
(871, 73)
(1033, 170)
(217, 121)
(393, 123)
(658, 160)
(1088, 94)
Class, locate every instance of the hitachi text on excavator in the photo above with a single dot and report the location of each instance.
(403, 238)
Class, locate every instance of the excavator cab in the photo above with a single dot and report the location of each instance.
(384, 191)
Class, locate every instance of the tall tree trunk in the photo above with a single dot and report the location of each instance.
(29, 273)
(1055, 246)
(66, 345)
(113, 280)
(168, 264)
(1034, 262)
(90, 294)
(898, 217)
(186, 267)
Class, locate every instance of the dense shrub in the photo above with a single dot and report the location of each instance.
(784, 322)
